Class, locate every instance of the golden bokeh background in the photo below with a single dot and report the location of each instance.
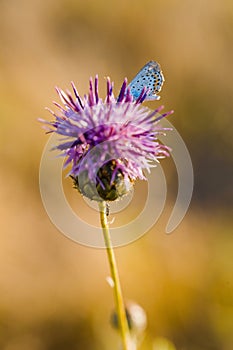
(53, 292)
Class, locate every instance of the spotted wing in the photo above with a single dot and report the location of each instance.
(151, 77)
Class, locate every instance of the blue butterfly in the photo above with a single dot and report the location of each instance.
(149, 77)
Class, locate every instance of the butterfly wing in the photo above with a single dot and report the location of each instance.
(151, 77)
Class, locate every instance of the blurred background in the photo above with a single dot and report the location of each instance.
(53, 292)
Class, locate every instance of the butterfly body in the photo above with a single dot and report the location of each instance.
(149, 77)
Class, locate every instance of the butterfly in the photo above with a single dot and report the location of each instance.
(149, 77)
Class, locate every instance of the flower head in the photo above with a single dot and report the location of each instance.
(108, 143)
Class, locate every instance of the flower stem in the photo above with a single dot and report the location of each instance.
(120, 308)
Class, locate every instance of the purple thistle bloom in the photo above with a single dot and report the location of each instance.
(107, 142)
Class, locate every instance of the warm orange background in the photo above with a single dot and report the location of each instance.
(53, 293)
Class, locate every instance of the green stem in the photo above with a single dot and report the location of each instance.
(120, 308)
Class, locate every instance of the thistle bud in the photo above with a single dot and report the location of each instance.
(136, 317)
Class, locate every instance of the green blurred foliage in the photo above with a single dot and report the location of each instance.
(52, 291)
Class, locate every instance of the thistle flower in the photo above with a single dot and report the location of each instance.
(108, 143)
